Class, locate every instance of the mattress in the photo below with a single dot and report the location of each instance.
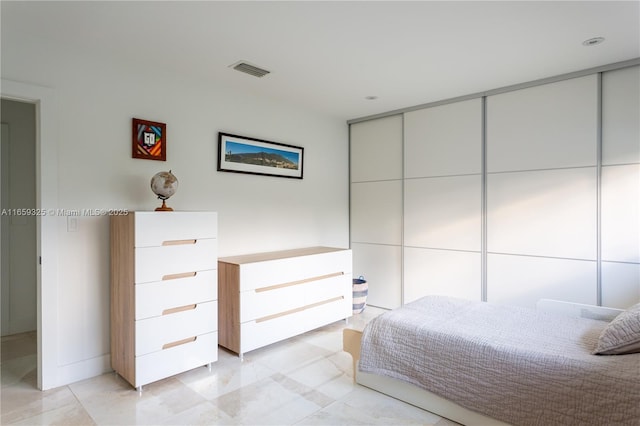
(513, 364)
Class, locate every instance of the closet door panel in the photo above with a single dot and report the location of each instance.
(443, 272)
(376, 207)
(376, 149)
(621, 116)
(549, 126)
(523, 280)
(621, 213)
(544, 213)
(444, 140)
(376, 212)
(381, 266)
(620, 284)
(443, 212)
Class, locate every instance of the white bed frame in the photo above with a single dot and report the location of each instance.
(404, 391)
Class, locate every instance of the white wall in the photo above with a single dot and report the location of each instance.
(96, 99)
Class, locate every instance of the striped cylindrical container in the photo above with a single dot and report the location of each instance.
(360, 292)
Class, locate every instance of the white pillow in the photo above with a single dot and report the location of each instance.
(622, 335)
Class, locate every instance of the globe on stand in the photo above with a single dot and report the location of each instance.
(164, 185)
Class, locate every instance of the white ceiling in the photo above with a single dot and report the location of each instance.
(330, 55)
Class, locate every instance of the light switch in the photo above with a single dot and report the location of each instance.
(72, 224)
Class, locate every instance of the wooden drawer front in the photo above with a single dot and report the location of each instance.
(255, 334)
(154, 228)
(155, 297)
(158, 263)
(168, 362)
(152, 334)
(262, 303)
(281, 271)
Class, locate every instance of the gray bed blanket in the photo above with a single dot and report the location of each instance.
(513, 364)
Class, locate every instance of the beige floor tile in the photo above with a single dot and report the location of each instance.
(20, 369)
(227, 375)
(205, 413)
(290, 413)
(18, 345)
(111, 400)
(338, 387)
(22, 402)
(69, 415)
(287, 356)
(307, 392)
(329, 376)
(254, 402)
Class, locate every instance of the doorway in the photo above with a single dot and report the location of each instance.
(48, 370)
(18, 231)
(18, 266)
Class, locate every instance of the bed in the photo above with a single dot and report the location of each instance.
(479, 363)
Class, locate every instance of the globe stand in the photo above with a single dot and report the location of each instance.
(164, 185)
(164, 208)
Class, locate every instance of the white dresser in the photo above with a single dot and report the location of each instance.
(268, 297)
(164, 308)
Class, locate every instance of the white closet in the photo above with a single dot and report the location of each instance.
(620, 187)
(376, 208)
(443, 201)
(509, 197)
(542, 150)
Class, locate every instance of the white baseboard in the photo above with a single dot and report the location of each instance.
(83, 370)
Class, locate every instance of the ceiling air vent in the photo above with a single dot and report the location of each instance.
(249, 69)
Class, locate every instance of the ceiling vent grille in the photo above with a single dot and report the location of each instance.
(247, 68)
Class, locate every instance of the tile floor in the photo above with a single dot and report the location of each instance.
(306, 380)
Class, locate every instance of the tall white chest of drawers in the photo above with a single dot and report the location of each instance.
(164, 294)
(268, 297)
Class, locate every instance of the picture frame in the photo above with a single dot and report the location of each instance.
(149, 140)
(241, 154)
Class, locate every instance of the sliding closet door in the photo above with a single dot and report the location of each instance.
(443, 201)
(376, 208)
(542, 193)
(520, 195)
(621, 187)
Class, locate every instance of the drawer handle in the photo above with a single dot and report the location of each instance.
(177, 276)
(292, 283)
(178, 242)
(179, 342)
(179, 309)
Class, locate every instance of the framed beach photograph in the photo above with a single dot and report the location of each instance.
(149, 140)
(241, 154)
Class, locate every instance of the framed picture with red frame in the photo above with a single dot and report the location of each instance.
(149, 140)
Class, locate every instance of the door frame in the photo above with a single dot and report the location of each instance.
(4, 239)
(46, 224)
